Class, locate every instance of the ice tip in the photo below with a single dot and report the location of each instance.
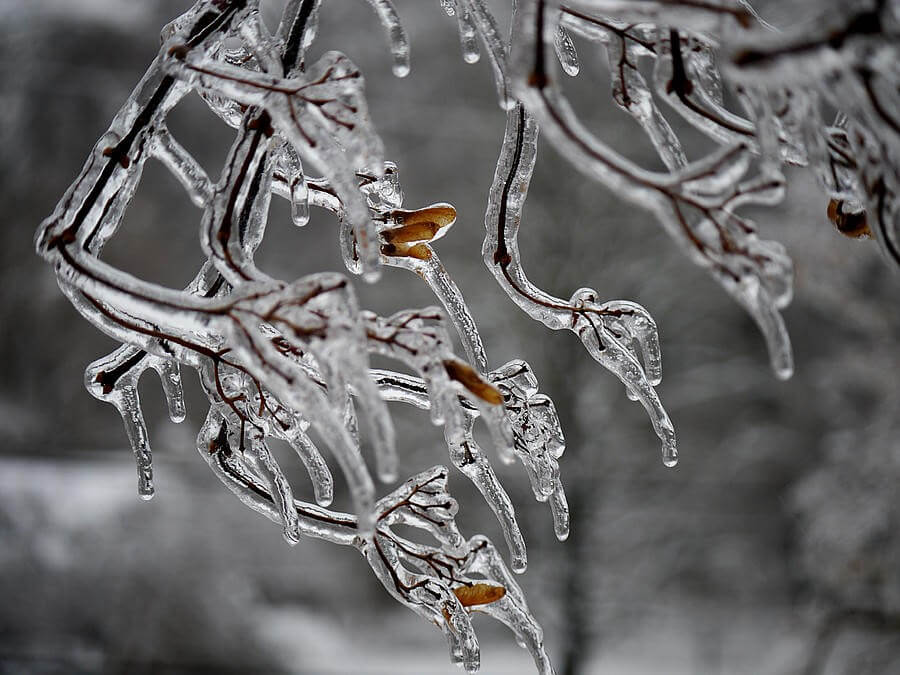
(783, 371)
(670, 460)
(387, 475)
(400, 69)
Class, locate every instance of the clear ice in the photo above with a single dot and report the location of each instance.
(283, 359)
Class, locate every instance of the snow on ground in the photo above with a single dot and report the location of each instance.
(120, 14)
(311, 609)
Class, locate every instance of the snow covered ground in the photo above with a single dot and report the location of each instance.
(93, 578)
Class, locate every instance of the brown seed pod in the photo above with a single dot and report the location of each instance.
(852, 225)
(442, 215)
(478, 594)
(417, 251)
(420, 225)
(118, 155)
(179, 52)
(471, 380)
(411, 232)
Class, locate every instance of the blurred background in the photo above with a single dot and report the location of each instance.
(773, 547)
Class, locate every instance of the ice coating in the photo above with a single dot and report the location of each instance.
(631, 93)
(322, 114)
(290, 360)
(849, 60)
(609, 331)
(565, 52)
(537, 441)
(437, 582)
(468, 34)
(698, 16)
(275, 358)
(696, 204)
(396, 35)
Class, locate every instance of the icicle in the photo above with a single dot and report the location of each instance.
(470, 460)
(113, 379)
(526, 425)
(127, 401)
(290, 174)
(489, 32)
(256, 37)
(319, 473)
(467, 36)
(259, 459)
(539, 440)
(170, 377)
(559, 507)
(397, 39)
(565, 52)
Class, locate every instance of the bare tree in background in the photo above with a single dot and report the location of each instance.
(289, 361)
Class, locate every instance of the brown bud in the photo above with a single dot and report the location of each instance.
(478, 594)
(118, 155)
(419, 225)
(852, 225)
(442, 215)
(178, 51)
(471, 380)
(744, 17)
(417, 251)
(411, 232)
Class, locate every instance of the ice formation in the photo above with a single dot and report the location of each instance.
(278, 358)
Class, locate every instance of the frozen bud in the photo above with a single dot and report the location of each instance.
(409, 233)
(423, 224)
(478, 594)
(417, 251)
(471, 380)
(849, 221)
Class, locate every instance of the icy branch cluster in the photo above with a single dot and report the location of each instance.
(281, 360)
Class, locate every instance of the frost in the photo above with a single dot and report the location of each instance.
(289, 360)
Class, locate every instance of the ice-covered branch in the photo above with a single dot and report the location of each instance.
(696, 204)
(288, 360)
